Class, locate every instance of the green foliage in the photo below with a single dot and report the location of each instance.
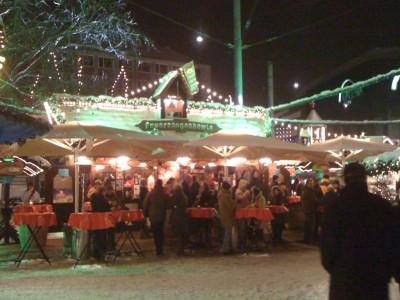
(36, 29)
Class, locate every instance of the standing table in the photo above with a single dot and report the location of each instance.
(127, 217)
(37, 220)
(91, 222)
(105, 220)
(203, 215)
(256, 217)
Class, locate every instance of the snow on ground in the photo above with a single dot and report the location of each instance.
(292, 271)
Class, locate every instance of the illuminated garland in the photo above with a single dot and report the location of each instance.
(339, 122)
(194, 107)
(337, 91)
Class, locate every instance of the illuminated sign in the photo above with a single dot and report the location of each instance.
(178, 124)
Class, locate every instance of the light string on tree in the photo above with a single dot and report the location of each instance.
(56, 65)
(2, 46)
(79, 75)
(35, 83)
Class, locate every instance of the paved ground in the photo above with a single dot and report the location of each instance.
(292, 271)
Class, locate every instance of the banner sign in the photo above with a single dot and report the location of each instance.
(190, 73)
(178, 124)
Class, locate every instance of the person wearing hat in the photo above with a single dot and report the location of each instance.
(357, 240)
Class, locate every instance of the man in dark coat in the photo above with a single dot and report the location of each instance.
(155, 208)
(309, 203)
(104, 239)
(357, 241)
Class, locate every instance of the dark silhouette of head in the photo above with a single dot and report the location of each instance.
(354, 173)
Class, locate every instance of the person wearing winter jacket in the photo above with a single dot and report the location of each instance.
(226, 207)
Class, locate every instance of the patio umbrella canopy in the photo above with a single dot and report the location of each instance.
(227, 144)
(43, 147)
(357, 148)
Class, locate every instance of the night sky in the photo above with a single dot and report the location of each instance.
(318, 37)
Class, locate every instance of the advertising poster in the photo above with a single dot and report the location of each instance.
(62, 187)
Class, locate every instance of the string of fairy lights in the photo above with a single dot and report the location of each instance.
(79, 74)
(212, 95)
(35, 83)
(2, 45)
(121, 75)
(52, 54)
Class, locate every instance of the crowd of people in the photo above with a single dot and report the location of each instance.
(356, 231)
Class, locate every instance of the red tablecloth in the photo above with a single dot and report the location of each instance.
(34, 219)
(91, 221)
(33, 208)
(278, 209)
(128, 215)
(294, 199)
(251, 212)
(202, 212)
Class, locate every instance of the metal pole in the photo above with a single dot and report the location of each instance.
(271, 94)
(76, 178)
(270, 85)
(238, 52)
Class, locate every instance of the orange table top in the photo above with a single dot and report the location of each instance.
(33, 208)
(294, 199)
(91, 221)
(278, 209)
(251, 212)
(202, 212)
(34, 219)
(128, 215)
(103, 220)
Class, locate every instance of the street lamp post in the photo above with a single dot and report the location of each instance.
(238, 52)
